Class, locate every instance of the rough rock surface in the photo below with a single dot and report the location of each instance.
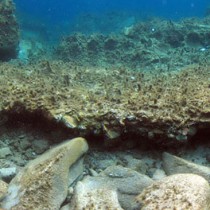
(9, 33)
(142, 106)
(175, 165)
(88, 198)
(180, 191)
(148, 44)
(43, 183)
(116, 182)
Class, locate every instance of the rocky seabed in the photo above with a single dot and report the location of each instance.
(69, 177)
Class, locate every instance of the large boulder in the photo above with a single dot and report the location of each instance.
(9, 33)
(180, 191)
(43, 183)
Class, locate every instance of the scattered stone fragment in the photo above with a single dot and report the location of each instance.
(100, 161)
(180, 191)
(6, 174)
(19, 160)
(175, 165)
(3, 189)
(43, 183)
(69, 121)
(116, 183)
(93, 172)
(24, 144)
(158, 174)
(151, 171)
(103, 164)
(4, 152)
(136, 164)
(112, 137)
(40, 146)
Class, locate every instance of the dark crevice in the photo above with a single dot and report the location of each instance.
(202, 137)
(56, 132)
(6, 55)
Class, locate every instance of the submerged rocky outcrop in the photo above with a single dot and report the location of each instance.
(9, 33)
(158, 105)
(158, 44)
(116, 106)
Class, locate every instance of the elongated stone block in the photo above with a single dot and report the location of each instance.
(43, 183)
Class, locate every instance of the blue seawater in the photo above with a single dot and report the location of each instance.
(52, 19)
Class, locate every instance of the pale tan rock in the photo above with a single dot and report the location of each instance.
(3, 188)
(114, 188)
(180, 191)
(43, 183)
(175, 165)
(88, 197)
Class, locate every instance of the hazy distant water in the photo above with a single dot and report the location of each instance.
(58, 17)
(61, 9)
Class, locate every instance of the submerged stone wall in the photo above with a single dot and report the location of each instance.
(9, 33)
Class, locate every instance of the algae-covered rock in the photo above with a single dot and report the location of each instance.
(120, 106)
(9, 33)
(180, 191)
(43, 183)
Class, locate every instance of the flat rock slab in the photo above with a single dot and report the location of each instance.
(175, 165)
